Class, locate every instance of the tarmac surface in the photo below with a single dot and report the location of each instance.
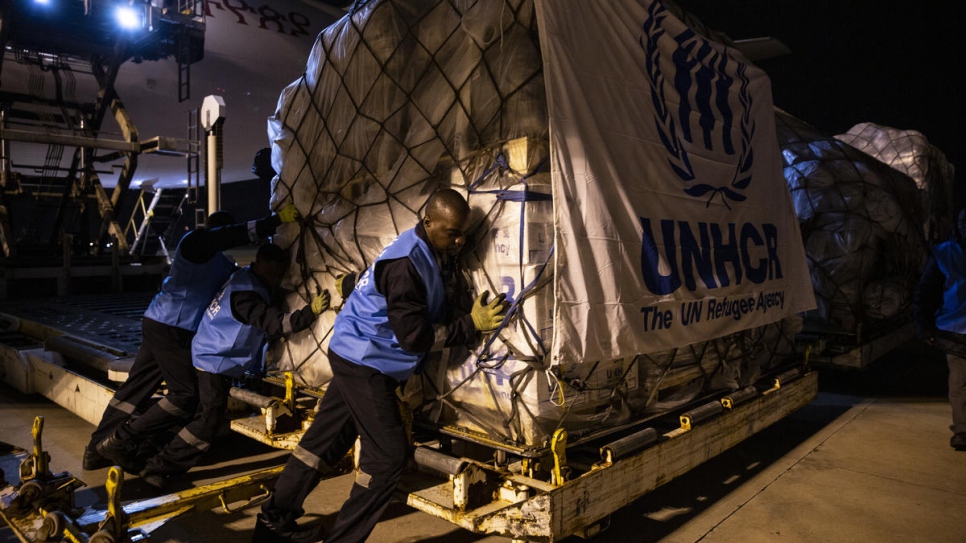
(868, 461)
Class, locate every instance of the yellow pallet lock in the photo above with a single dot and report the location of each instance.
(41, 507)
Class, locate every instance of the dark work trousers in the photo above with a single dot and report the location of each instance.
(957, 392)
(359, 401)
(194, 440)
(164, 355)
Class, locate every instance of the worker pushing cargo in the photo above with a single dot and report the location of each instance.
(198, 270)
(411, 300)
(230, 341)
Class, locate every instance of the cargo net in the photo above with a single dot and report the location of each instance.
(400, 98)
(862, 224)
(911, 153)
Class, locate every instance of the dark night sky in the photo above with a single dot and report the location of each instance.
(898, 64)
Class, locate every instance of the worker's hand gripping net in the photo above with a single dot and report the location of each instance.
(321, 302)
(488, 316)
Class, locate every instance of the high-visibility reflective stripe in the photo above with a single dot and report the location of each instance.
(440, 332)
(310, 459)
(121, 406)
(193, 440)
(363, 479)
(171, 408)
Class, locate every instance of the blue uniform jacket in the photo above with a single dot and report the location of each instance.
(362, 333)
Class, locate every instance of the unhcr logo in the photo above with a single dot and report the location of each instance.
(702, 108)
(718, 255)
(704, 79)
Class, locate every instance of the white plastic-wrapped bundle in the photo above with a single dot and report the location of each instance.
(861, 223)
(905, 150)
(401, 97)
(911, 153)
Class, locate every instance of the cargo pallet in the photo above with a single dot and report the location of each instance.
(856, 350)
(579, 500)
(545, 494)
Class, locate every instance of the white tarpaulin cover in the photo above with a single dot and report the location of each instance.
(673, 222)
(911, 153)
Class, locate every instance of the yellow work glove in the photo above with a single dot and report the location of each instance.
(488, 316)
(320, 303)
(345, 283)
(289, 214)
(338, 285)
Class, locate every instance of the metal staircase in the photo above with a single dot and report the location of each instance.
(155, 219)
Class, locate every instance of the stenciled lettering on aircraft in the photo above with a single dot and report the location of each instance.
(265, 16)
(704, 79)
(719, 254)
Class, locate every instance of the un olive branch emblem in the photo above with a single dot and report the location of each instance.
(704, 89)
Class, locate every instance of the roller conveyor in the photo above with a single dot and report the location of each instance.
(108, 322)
(73, 349)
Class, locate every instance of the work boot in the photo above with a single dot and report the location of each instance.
(267, 531)
(153, 478)
(958, 441)
(93, 460)
(121, 453)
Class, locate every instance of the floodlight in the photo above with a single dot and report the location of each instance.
(129, 18)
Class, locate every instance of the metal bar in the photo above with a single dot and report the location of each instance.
(166, 146)
(24, 98)
(549, 514)
(252, 398)
(73, 141)
(157, 511)
(738, 397)
(625, 446)
(700, 413)
(145, 221)
(438, 462)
